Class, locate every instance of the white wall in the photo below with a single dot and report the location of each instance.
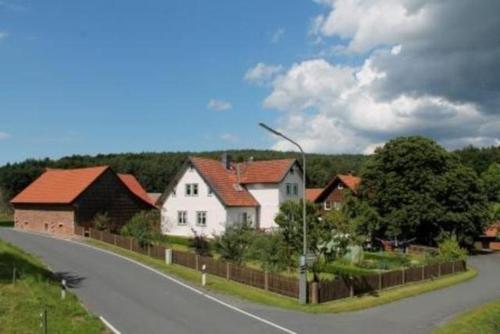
(216, 212)
(293, 178)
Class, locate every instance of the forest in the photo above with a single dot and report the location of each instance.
(154, 170)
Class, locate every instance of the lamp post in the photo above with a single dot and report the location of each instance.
(302, 262)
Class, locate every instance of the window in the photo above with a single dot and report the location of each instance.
(288, 189)
(337, 205)
(210, 191)
(244, 217)
(340, 186)
(173, 192)
(295, 189)
(181, 217)
(292, 171)
(191, 189)
(328, 205)
(201, 218)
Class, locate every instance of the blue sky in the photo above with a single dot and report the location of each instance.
(339, 76)
(115, 76)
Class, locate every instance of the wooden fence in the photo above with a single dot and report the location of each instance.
(352, 286)
(327, 290)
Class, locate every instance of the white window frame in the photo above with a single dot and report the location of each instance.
(327, 205)
(201, 216)
(187, 190)
(182, 219)
(340, 186)
(296, 189)
(195, 189)
(289, 189)
(244, 217)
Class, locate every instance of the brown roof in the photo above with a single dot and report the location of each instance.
(352, 182)
(135, 187)
(267, 171)
(63, 186)
(59, 186)
(313, 193)
(223, 182)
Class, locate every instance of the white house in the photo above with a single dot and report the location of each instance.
(208, 194)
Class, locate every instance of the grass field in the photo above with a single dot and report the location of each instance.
(37, 289)
(483, 320)
(249, 293)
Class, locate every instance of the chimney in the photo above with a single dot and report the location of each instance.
(225, 160)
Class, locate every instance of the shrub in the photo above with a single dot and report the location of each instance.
(101, 221)
(234, 243)
(199, 244)
(143, 226)
(449, 250)
(270, 250)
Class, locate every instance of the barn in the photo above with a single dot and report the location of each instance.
(61, 199)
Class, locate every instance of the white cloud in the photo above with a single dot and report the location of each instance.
(277, 35)
(262, 73)
(423, 71)
(219, 105)
(229, 137)
(4, 136)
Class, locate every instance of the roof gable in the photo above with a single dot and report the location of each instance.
(136, 188)
(59, 186)
(349, 181)
(313, 193)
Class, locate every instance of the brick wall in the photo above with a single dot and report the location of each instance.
(45, 218)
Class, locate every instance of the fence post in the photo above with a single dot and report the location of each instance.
(379, 281)
(423, 273)
(453, 267)
(114, 239)
(403, 275)
(168, 256)
(228, 271)
(101, 235)
(439, 269)
(149, 250)
(196, 262)
(266, 280)
(130, 243)
(314, 293)
(351, 288)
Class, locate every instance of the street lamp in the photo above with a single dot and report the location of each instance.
(302, 262)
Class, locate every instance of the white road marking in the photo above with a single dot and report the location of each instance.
(111, 327)
(234, 308)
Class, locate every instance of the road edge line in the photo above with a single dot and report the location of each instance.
(110, 327)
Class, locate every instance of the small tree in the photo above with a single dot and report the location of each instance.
(143, 226)
(449, 250)
(101, 221)
(233, 244)
(270, 250)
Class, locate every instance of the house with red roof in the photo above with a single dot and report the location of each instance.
(332, 196)
(207, 194)
(61, 199)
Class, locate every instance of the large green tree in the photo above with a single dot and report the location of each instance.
(419, 190)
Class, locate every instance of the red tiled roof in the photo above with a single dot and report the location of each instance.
(352, 182)
(135, 187)
(58, 186)
(313, 193)
(223, 182)
(267, 171)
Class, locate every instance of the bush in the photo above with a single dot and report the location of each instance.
(270, 250)
(144, 227)
(449, 250)
(101, 221)
(344, 269)
(199, 244)
(234, 243)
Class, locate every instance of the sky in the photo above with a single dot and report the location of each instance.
(339, 76)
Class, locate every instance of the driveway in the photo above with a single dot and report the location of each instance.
(135, 299)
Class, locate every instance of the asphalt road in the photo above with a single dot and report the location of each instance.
(137, 300)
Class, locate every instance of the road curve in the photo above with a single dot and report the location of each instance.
(137, 300)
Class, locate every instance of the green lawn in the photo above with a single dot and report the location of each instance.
(483, 320)
(36, 289)
(249, 293)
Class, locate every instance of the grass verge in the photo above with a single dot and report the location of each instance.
(34, 290)
(484, 319)
(252, 294)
